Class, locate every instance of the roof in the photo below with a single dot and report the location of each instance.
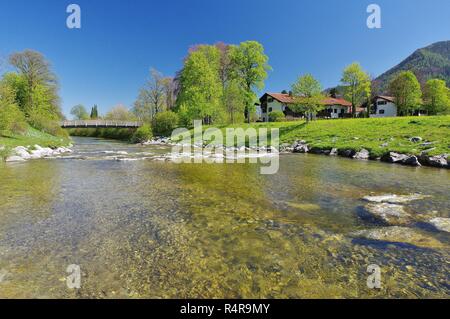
(287, 99)
(385, 97)
(283, 98)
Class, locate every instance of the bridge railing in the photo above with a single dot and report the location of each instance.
(99, 123)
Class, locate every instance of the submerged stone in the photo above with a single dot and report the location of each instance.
(394, 199)
(391, 214)
(399, 235)
(442, 224)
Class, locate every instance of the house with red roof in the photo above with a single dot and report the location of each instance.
(334, 107)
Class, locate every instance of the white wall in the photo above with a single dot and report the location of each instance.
(389, 109)
(339, 109)
(276, 106)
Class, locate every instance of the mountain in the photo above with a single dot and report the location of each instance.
(430, 62)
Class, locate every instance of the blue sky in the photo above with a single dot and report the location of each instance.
(108, 59)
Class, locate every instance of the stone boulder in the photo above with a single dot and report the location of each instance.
(398, 158)
(300, 147)
(22, 152)
(346, 153)
(442, 224)
(362, 155)
(440, 161)
(397, 234)
(390, 214)
(415, 139)
(334, 152)
(394, 199)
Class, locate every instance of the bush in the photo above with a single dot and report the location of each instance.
(12, 120)
(164, 123)
(142, 134)
(44, 123)
(277, 116)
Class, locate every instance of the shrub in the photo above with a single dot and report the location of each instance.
(164, 123)
(142, 134)
(12, 120)
(45, 123)
(277, 116)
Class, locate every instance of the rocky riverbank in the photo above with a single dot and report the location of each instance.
(22, 153)
(301, 146)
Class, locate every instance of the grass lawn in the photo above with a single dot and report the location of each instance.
(379, 136)
(30, 138)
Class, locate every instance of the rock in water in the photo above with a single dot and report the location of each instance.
(362, 154)
(389, 213)
(442, 224)
(399, 235)
(300, 147)
(394, 199)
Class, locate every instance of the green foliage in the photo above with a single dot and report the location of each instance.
(437, 97)
(40, 120)
(201, 91)
(276, 116)
(164, 123)
(407, 92)
(123, 134)
(79, 112)
(250, 68)
(142, 134)
(12, 120)
(357, 85)
(308, 96)
(94, 113)
(120, 113)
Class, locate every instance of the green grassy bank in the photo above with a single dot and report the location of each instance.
(29, 138)
(379, 136)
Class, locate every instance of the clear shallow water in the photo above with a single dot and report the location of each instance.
(150, 228)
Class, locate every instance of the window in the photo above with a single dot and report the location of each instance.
(270, 99)
(381, 112)
(270, 109)
(381, 102)
(335, 110)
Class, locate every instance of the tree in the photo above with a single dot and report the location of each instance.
(94, 112)
(120, 113)
(79, 112)
(12, 120)
(334, 93)
(154, 97)
(250, 67)
(357, 85)
(39, 78)
(200, 87)
(234, 102)
(437, 97)
(407, 93)
(308, 97)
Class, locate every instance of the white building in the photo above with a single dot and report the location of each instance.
(383, 106)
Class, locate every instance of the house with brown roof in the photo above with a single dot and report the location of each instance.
(334, 107)
(383, 106)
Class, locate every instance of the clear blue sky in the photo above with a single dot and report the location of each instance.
(107, 61)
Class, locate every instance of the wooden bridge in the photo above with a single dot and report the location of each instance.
(99, 124)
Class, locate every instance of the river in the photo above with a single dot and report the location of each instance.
(139, 227)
